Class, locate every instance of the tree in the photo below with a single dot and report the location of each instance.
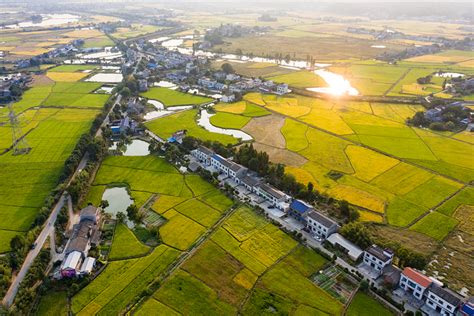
(357, 233)
(121, 217)
(17, 243)
(227, 68)
(104, 204)
(125, 92)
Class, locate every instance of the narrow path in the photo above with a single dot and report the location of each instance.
(435, 207)
(195, 247)
(372, 148)
(396, 82)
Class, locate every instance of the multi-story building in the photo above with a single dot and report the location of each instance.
(299, 209)
(378, 258)
(414, 282)
(271, 194)
(203, 154)
(320, 225)
(442, 300)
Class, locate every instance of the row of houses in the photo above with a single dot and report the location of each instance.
(375, 259)
(85, 235)
(316, 223)
(430, 291)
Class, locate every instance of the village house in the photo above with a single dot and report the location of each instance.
(282, 89)
(467, 308)
(272, 195)
(352, 250)
(227, 98)
(319, 225)
(378, 258)
(442, 300)
(85, 235)
(250, 183)
(414, 282)
(299, 209)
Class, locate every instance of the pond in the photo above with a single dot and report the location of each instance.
(48, 20)
(119, 200)
(204, 121)
(137, 147)
(338, 85)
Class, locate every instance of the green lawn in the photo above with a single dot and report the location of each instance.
(172, 97)
(126, 245)
(362, 304)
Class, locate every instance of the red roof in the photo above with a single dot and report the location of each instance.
(417, 277)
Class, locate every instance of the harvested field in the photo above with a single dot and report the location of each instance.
(266, 130)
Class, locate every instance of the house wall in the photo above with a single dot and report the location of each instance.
(374, 262)
(434, 301)
(408, 284)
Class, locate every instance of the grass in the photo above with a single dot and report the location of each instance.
(300, 79)
(368, 164)
(228, 120)
(72, 68)
(198, 212)
(154, 307)
(166, 126)
(216, 268)
(120, 282)
(285, 281)
(435, 225)
(28, 179)
(166, 202)
(363, 304)
(189, 296)
(76, 100)
(173, 98)
(67, 76)
(305, 261)
(463, 197)
(53, 303)
(180, 232)
(126, 245)
(262, 302)
(216, 200)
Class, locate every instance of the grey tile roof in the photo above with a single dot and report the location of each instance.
(446, 294)
(320, 218)
(377, 252)
(273, 192)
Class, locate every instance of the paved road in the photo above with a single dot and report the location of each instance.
(49, 224)
(48, 228)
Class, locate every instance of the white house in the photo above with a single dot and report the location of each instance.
(227, 98)
(270, 194)
(203, 154)
(351, 249)
(378, 258)
(443, 300)
(414, 282)
(320, 225)
(282, 88)
(249, 183)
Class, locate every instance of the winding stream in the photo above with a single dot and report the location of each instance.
(205, 122)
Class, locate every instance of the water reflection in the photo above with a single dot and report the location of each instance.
(338, 85)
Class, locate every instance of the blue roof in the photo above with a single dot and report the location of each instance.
(217, 157)
(468, 309)
(299, 206)
(171, 140)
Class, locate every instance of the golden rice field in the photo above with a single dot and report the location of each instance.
(382, 165)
